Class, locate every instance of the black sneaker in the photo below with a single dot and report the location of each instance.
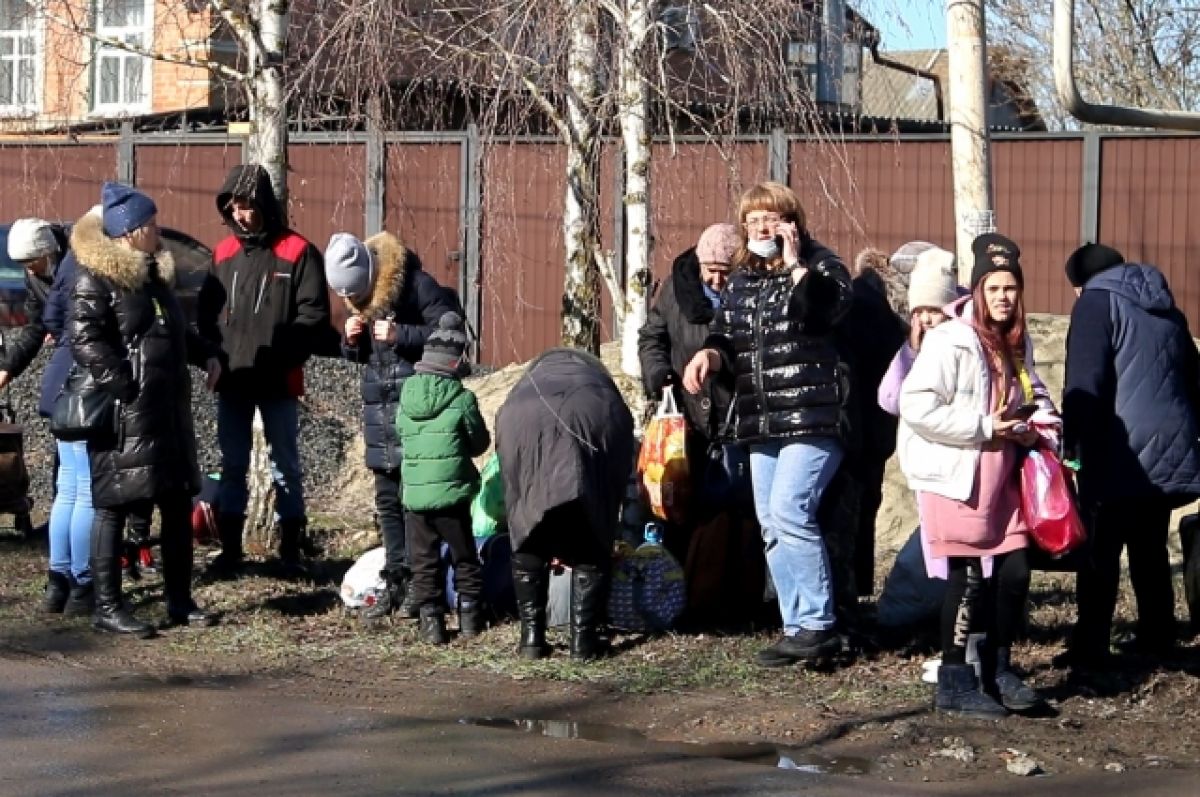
(806, 645)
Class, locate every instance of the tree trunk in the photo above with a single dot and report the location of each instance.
(268, 148)
(633, 112)
(581, 285)
(268, 107)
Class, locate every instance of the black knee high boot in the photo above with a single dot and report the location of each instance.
(177, 567)
(111, 613)
(589, 594)
(531, 583)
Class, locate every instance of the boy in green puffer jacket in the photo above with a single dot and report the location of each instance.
(440, 430)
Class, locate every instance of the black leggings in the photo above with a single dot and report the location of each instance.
(995, 606)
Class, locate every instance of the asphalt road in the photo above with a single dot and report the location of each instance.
(70, 731)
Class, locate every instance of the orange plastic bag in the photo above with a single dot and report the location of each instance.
(662, 461)
(1048, 504)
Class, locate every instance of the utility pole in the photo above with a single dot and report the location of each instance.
(970, 145)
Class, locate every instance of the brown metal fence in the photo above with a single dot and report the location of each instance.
(486, 218)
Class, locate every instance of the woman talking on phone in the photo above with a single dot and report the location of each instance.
(968, 409)
(774, 333)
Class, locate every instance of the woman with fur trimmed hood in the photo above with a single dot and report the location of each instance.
(130, 334)
(393, 307)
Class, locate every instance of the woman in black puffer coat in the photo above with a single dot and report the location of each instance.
(393, 307)
(775, 334)
(128, 330)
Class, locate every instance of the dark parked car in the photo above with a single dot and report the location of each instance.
(192, 260)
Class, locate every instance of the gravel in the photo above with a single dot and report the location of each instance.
(330, 444)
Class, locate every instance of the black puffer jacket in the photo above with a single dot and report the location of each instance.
(675, 330)
(777, 339)
(128, 330)
(407, 295)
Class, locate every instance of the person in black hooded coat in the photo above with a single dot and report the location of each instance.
(130, 334)
(565, 441)
(394, 305)
(266, 304)
(1130, 402)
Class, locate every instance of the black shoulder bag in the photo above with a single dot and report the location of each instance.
(727, 472)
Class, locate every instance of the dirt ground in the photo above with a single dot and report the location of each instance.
(677, 687)
(701, 687)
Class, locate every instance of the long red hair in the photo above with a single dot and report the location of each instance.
(1003, 341)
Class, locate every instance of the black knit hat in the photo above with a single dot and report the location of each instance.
(1089, 260)
(444, 350)
(993, 252)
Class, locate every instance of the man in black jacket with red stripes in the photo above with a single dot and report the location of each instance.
(266, 304)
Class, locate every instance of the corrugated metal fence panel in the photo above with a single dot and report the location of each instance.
(327, 190)
(1038, 185)
(184, 180)
(522, 250)
(875, 193)
(1149, 200)
(54, 181)
(421, 205)
(693, 186)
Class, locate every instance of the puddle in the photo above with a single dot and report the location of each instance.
(743, 752)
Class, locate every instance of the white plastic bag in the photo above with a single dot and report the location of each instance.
(364, 583)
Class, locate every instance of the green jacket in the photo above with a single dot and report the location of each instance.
(440, 428)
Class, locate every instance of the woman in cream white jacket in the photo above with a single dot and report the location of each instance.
(969, 409)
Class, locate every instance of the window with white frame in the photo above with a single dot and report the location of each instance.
(18, 57)
(121, 81)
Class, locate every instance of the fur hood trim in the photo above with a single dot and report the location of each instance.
(104, 256)
(391, 276)
(876, 267)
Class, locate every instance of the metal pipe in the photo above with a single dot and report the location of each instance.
(900, 66)
(1068, 92)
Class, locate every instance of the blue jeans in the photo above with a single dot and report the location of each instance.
(789, 477)
(71, 515)
(281, 427)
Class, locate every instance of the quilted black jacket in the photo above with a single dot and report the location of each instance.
(1132, 390)
(777, 338)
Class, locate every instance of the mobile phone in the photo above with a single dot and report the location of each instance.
(1025, 412)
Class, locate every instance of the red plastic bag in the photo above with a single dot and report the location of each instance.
(662, 462)
(1048, 504)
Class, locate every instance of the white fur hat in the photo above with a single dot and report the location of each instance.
(29, 239)
(932, 282)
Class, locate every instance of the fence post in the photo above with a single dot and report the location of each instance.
(777, 149)
(1089, 212)
(126, 169)
(376, 178)
(470, 285)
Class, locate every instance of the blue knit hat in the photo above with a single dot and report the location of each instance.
(125, 209)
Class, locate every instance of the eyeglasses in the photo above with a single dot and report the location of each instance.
(755, 219)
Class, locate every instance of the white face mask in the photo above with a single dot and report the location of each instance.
(765, 249)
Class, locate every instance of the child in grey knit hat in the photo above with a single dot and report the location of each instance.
(441, 429)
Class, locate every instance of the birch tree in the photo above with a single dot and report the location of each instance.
(633, 111)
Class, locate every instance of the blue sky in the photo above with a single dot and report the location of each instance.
(907, 24)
